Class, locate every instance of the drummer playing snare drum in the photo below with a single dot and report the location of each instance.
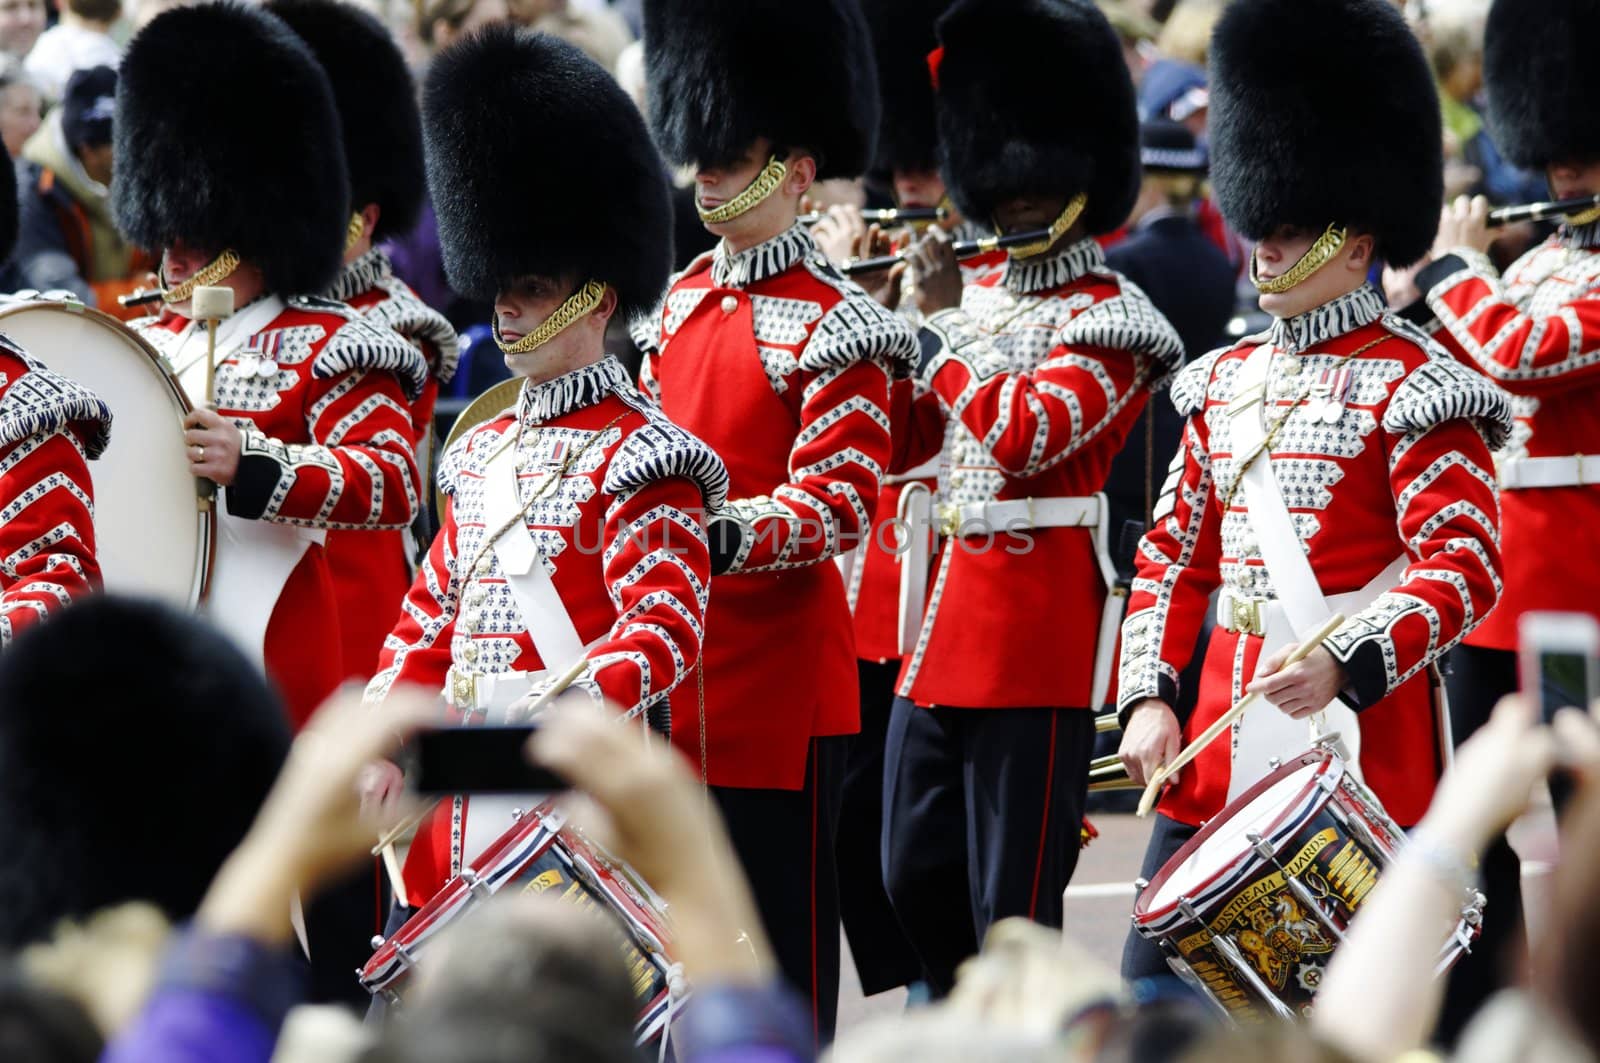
(1338, 463)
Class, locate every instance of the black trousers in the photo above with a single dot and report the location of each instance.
(883, 957)
(983, 814)
(340, 924)
(1141, 957)
(785, 841)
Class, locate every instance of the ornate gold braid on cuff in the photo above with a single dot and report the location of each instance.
(578, 304)
(218, 269)
(1058, 228)
(765, 183)
(1317, 255)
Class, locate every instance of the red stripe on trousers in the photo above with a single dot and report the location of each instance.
(1044, 824)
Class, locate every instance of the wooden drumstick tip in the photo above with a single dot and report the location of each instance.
(1152, 789)
(211, 304)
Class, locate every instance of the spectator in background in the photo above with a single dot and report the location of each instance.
(440, 23)
(20, 107)
(597, 32)
(67, 239)
(1136, 30)
(1186, 36)
(82, 39)
(21, 22)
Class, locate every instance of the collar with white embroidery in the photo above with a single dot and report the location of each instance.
(1334, 318)
(764, 260)
(584, 386)
(1052, 271)
(362, 275)
(1581, 237)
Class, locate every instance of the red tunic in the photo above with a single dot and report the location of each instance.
(323, 401)
(50, 428)
(783, 367)
(1405, 469)
(622, 537)
(1536, 333)
(372, 568)
(1043, 371)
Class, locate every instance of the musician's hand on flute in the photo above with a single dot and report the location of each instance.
(213, 444)
(1303, 688)
(838, 231)
(884, 284)
(1463, 223)
(937, 272)
(1153, 738)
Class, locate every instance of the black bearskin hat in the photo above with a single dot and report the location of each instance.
(902, 37)
(1034, 98)
(226, 137)
(540, 164)
(1298, 139)
(377, 102)
(135, 747)
(718, 80)
(1542, 82)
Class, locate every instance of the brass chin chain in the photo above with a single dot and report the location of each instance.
(766, 183)
(1584, 217)
(354, 232)
(578, 304)
(1317, 255)
(1058, 228)
(218, 269)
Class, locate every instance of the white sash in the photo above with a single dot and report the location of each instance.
(254, 558)
(1261, 735)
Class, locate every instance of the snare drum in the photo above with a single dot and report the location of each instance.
(539, 856)
(153, 536)
(1250, 911)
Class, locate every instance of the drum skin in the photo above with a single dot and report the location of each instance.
(153, 537)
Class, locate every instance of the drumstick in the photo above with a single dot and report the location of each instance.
(550, 693)
(1193, 749)
(211, 305)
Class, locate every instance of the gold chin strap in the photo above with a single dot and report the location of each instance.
(218, 269)
(1584, 217)
(1317, 255)
(1058, 228)
(766, 183)
(354, 232)
(577, 305)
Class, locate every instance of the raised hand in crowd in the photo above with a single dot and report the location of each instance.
(1380, 998)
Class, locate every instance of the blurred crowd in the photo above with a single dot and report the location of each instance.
(167, 931)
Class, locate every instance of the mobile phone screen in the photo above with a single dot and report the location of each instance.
(1566, 680)
(477, 760)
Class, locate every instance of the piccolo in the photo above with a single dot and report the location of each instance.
(141, 297)
(1541, 211)
(962, 248)
(886, 215)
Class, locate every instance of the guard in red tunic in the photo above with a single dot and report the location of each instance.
(764, 350)
(376, 99)
(50, 429)
(1041, 366)
(309, 427)
(1535, 331)
(572, 533)
(1338, 463)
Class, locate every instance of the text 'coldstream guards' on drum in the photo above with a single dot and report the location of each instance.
(153, 534)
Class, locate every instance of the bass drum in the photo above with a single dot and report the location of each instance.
(153, 531)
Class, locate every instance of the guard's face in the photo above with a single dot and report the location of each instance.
(1280, 250)
(918, 188)
(523, 304)
(182, 261)
(1025, 213)
(715, 185)
(1568, 180)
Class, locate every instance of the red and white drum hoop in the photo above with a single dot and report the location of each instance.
(152, 534)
